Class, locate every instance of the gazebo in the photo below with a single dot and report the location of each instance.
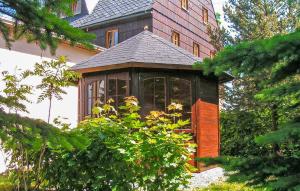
(158, 73)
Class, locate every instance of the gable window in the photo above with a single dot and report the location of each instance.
(175, 38)
(184, 4)
(205, 15)
(112, 38)
(196, 49)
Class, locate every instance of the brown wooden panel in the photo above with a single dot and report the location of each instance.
(208, 129)
(126, 29)
(168, 16)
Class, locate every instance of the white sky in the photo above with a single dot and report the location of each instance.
(91, 4)
(66, 108)
(218, 4)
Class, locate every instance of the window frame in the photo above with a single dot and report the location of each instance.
(198, 46)
(112, 31)
(76, 7)
(88, 81)
(120, 75)
(167, 75)
(104, 76)
(205, 15)
(174, 34)
(184, 4)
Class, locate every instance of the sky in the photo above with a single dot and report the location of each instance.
(218, 4)
(68, 106)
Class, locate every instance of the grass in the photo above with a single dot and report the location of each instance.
(225, 186)
(5, 184)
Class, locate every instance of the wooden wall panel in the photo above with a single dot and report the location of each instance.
(126, 29)
(81, 103)
(207, 119)
(208, 130)
(168, 16)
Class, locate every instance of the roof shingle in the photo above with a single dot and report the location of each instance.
(146, 48)
(112, 9)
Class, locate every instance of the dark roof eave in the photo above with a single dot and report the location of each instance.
(127, 17)
(134, 65)
(225, 77)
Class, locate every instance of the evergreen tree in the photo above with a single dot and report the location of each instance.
(258, 19)
(39, 21)
(280, 56)
(250, 20)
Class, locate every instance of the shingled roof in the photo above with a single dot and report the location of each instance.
(143, 50)
(111, 9)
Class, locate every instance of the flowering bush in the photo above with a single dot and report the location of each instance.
(126, 152)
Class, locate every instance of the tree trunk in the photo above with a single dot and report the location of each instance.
(274, 110)
(49, 111)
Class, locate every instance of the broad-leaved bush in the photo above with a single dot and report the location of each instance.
(127, 152)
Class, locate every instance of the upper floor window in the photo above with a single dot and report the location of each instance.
(76, 7)
(184, 4)
(175, 38)
(196, 49)
(205, 15)
(112, 38)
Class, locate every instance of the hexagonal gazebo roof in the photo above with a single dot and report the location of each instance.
(145, 50)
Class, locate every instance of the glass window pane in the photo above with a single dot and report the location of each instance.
(122, 89)
(160, 94)
(154, 95)
(118, 87)
(148, 95)
(181, 92)
(116, 37)
(100, 93)
(90, 96)
(95, 95)
(112, 89)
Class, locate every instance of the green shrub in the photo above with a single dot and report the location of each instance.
(126, 152)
